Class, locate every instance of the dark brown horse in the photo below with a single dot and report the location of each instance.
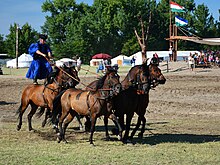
(135, 96)
(92, 103)
(43, 95)
(137, 81)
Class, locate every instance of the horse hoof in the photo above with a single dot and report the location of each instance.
(58, 139)
(119, 138)
(127, 141)
(43, 124)
(115, 131)
(140, 135)
(107, 139)
(18, 127)
(92, 144)
(32, 130)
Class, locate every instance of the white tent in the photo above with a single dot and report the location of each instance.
(121, 60)
(181, 55)
(67, 61)
(24, 61)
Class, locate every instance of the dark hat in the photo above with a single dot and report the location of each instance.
(43, 36)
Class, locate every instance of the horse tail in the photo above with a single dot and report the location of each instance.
(56, 107)
(19, 109)
(40, 113)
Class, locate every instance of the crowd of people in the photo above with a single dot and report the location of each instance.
(205, 57)
(103, 64)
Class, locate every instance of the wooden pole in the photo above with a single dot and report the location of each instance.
(176, 44)
(17, 28)
(170, 27)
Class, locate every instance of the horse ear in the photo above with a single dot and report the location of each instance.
(56, 69)
(64, 65)
(145, 61)
(148, 61)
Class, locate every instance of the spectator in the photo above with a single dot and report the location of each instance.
(191, 62)
(155, 59)
(171, 53)
(133, 61)
(100, 67)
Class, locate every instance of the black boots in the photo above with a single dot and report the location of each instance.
(35, 81)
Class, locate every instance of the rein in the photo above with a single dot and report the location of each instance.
(68, 74)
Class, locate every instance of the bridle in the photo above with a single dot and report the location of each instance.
(106, 93)
(109, 92)
(60, 81)
(138, 83)
(153, 80)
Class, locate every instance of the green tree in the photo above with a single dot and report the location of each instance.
(62, 15)
(26, 36)
(108, 26)
(2, 44)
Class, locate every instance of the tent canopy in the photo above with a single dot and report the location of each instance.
(207, 41)
(101, 56)
(24, 61)
(67, 61)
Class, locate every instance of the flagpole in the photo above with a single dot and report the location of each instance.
(170, 27)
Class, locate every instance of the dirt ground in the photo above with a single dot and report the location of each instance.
(188, 104)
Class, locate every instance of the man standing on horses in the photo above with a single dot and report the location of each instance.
(40, 66)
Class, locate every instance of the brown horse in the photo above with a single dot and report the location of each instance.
(43, 95)
(137, 81)
(87, 103)
(92, 86)
(135, 97)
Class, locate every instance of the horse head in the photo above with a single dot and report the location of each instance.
(155, 75)
(67, 77)
(110, 82)
(137, 78)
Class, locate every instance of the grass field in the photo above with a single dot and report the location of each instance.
(183, 130)
(86, 70)
(41, 148)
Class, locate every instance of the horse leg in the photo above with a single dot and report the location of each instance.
(127, 128)
(116, 122)
(136, 128)
(23, 106)
(47, 115)
(68, 119)
(30, 115)
(80, 123)
(106, 127)
(93, 122)
(87, 124)
(61, 134)
(140, 135)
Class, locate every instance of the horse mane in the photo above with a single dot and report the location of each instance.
(145, 69)
(100, 82)
(130, 76)
(52, 75)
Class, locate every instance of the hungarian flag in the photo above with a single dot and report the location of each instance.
(180, 21)
(176, 7)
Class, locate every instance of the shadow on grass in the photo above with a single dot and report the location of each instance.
(177, 138)
(6, 103)
(151, 139)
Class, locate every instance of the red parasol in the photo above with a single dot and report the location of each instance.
(101, 56)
